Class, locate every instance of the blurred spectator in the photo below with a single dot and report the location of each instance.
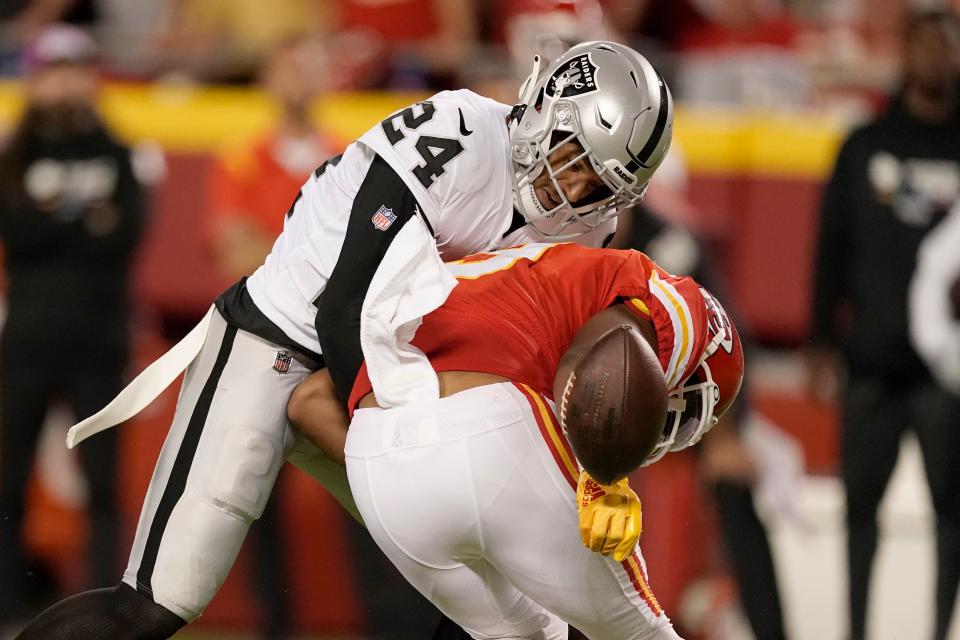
(227, 40)
(893, 182)
(662, 22)
(254, 183)
(126, 32)
(516, 30)
(657, 26)
(935, 302)
(70, 218)
(739, 52)
(252, 187)
(400, 44)
(22, 20)
(547, 28)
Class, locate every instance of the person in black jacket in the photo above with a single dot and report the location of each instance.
(894, 180)
(70, 219)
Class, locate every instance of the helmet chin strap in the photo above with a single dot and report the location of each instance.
(526, 89)
(527, 209)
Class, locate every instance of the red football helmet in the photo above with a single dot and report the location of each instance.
(699, 402)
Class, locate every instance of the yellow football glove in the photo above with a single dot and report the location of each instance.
(610, 520)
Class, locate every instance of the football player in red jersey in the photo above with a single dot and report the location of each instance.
(472, 490)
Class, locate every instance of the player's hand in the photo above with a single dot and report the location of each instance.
(610, 519)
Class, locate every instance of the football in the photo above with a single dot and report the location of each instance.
(614, 404)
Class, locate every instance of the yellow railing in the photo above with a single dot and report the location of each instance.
(192, 119)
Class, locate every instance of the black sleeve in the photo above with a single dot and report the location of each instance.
(340, 303)
(832, 246)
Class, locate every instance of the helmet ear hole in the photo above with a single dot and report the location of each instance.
(538, 103)
(690, 417)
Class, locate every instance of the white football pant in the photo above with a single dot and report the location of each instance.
(226, 444)
(473, 498)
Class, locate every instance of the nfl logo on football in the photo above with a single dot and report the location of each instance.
(383, 218)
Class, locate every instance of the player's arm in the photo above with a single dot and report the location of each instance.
(383, 205)
(315, 410)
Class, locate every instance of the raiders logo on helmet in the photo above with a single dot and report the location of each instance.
(574, 78)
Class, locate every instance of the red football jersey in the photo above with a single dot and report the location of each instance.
(515, 312)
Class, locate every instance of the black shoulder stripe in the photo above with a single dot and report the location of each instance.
(334, 161)
(294, 203)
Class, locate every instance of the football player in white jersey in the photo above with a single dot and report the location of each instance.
(583, 142)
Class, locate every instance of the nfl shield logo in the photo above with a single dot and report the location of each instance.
(282, 362)
(383, 218)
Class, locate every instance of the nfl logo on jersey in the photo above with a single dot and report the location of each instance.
(383, 218)
(282, 362)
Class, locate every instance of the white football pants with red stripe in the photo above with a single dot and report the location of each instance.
(473, 498)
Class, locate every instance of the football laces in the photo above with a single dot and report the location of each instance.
(567, 391)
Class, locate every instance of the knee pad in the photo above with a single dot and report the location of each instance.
(238, 476)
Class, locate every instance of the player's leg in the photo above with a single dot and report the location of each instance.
(317, 414)
(215, 472)
(873, 421)
(413, 485)
(936, 419)
(531, 531)
(24, 393)
(307, 457)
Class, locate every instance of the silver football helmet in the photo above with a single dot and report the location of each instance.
(610, 100)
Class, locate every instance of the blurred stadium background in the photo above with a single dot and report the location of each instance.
(766, 89)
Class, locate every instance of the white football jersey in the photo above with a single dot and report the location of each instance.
(468, 200)
(447, 159)
(451, 152)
